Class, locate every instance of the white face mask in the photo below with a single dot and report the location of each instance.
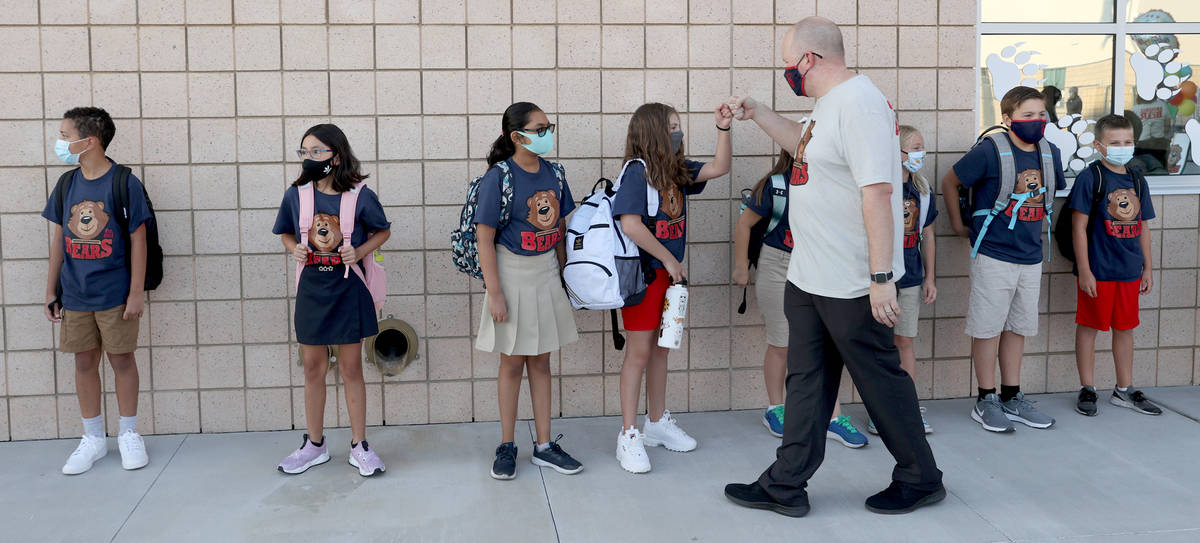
(62, 148)
(916, 159)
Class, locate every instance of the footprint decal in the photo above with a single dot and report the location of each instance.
(1159, 71)
(1012, 67)
(1193, 131)
(1073, 137)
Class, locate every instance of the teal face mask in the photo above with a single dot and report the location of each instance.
(539, 145)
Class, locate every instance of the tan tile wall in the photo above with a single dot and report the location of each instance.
(210, 96)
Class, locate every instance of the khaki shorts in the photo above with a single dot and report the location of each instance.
(910, 311)
(83, 331)
(1004, 298)
(770, 284)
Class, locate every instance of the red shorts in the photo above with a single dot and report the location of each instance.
(1115, 306)
(648, 314)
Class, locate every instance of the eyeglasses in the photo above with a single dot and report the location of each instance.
(312, 153)
(539, 131)
(797, 64)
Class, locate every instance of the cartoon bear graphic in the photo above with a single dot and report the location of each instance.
(912, 214)
(1030, 181)
(88, 220)
(326, 233)
(1175, 158)
(543, 210)
(1123, 205)
(671, 201)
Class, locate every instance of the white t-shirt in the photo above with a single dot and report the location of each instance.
(852, 140)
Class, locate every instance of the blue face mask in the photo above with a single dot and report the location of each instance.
(539, 145)
(1119, 155)
(916, 159)
(62, 148)
(1029, 130)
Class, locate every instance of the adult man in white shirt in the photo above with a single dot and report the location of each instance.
(841, 298)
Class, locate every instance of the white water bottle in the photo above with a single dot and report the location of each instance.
(670, 332)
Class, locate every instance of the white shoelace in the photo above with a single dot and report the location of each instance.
(133, 442)
(85, 446)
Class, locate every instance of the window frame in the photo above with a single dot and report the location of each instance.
(1120, 29)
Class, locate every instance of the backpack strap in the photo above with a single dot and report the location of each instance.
(346, 221)
(121, 201)
(60, 202)
(506, 193)
(651, 194)
(778, 184)
(923, 214)
(306, 197)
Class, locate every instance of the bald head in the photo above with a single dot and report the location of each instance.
(816, 34)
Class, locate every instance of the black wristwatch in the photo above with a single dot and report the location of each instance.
(881, 277)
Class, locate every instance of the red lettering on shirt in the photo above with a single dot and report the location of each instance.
(323, 259)
(672, 229)
(540, 241)
(787, 239)
(910, 240)
(1123, 230)
(799, 174)
(1033, 213)
(88, 249)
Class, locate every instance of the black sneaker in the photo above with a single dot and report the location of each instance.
(755, 497)
(504, 467)
(899, 498)
(555, 458)
(1135, 400)
(1086, 404)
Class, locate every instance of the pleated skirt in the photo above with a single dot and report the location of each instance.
(540, 318)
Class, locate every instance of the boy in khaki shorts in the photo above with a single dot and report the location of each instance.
(1006, 265)
(94, 286)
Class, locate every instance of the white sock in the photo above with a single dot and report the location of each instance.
(770, 407)
(543, 446)
(94, 426)
(1123, 389)
(127, 424)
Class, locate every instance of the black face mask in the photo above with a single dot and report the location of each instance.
(314, 170)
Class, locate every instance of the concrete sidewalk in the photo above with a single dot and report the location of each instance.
(1116, 477)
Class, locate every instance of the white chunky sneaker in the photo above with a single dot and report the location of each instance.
(668, 434)
(133, 450)
(631, 451)
(90, 449)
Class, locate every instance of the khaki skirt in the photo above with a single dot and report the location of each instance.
(540, 318)
(770, 284)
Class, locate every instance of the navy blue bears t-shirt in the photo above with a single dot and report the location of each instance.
(325, 236)
(1114, 248)
(538, 206)
(914, 267)
(781, 237)
(670, 224)
(980, 169)
(94, 276)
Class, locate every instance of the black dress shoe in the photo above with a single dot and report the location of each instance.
(752, 495)
(899, 498)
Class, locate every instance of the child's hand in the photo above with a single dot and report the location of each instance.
(1147, 282)
(724, 115)
(929, 290)
(53, 309)
(134, 306)
(300, 253)
(961, 230)
(497, 307)
(675, 270)
(349, 255)
(741, 276)
(742, 107)
(1087, 282)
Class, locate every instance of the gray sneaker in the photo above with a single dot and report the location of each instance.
(1021, 410)
(989, 413)
(1135, 400)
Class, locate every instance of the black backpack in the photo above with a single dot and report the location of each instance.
(1063, 233)
(154, 252)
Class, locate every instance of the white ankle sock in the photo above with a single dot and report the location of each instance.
(127, 424)
(94, 426)
(1123, 389)
(543, 446)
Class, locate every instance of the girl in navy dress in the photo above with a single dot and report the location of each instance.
(333, 306)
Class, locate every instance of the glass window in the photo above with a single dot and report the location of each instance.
(1163, 11)
(1075, 71)
(1043, 11)
(1160, 99)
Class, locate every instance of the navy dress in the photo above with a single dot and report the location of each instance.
(332, 308)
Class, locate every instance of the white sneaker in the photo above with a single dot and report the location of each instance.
(133, 450)
(667, 433)
(631, 451)
(90, 449)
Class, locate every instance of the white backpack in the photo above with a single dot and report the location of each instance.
(604, 268)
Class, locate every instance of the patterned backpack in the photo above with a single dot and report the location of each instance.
(464, 245)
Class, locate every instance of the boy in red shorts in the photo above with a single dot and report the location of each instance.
(1112, 255)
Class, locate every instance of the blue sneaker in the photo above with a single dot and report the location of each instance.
(843, 430)
(773, 420)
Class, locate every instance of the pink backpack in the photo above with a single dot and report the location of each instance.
(375, 277)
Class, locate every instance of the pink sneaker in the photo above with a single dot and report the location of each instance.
(307, 456)
(365, 459)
